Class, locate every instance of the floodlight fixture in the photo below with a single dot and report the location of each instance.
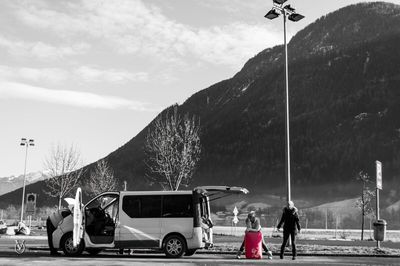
(272, 14)
(279, 2)
(295, 17)
(289, 8)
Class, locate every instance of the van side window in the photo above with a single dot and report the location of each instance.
(142, 206)
(177, 206)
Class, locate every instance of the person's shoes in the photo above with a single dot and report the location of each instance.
(294, 258)
(281, 256)
(269, 255)
(238, 255)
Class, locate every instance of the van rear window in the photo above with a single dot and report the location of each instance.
(155, 206)
(142, 206)
(177, 206)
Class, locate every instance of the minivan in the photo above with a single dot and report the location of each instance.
(176, 222)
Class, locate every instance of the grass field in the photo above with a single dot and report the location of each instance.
(229, 243)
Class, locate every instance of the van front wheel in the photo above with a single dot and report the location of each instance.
(174, 246)
(68, 248)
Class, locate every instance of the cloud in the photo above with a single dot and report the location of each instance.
(57, 75)
(53, 75)
(110, 75)
(12, 90)
(42, 50)
(132, 27)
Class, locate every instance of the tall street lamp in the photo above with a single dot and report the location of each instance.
(26, 143)
(288, 12)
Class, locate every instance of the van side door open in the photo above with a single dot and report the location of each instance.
(101, 216)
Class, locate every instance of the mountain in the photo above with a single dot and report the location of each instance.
(344, 77)
(13, 182)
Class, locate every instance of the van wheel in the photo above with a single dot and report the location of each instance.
(68, 247)
(93, 251)
(174, 246)
(190, 252)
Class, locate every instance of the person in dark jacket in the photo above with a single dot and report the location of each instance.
(290, 221)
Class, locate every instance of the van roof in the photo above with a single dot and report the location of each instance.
(181, 192)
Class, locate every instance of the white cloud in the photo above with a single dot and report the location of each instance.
(42, 50)
(52, 75)
(83, 73)
(130, 26)
(12, 90)
(110, 75)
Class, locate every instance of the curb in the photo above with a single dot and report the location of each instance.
(233, 253)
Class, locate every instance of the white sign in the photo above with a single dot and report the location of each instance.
(378, 175)
(235, 211)
(235, 220)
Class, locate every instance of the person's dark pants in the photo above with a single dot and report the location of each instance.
(285, 239)
(50, 229)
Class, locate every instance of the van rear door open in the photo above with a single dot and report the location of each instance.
(215, 192)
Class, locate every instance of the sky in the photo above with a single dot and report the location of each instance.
(94, 73)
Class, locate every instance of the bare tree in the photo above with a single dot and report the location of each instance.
(63, 171)
(102, 179)
(173, 148)
(364, 202)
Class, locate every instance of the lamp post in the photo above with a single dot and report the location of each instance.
(26, 143)
(288, 12)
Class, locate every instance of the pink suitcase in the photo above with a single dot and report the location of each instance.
(253, 245)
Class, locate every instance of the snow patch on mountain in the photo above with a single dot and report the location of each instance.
(10, 183)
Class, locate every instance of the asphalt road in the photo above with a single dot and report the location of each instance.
(42, 258)
(36, 254)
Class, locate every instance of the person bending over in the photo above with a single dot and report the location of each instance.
(253, 225)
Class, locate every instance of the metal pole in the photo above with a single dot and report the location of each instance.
(336, 226)
(326, 219)
(288, 192)
(377, 204)
(23, 188)
(378, 244)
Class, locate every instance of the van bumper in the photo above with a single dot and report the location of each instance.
(196, 241)
(57, 235)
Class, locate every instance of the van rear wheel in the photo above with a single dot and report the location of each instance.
(174, 246)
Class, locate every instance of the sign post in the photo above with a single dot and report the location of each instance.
(378, 187)
(235, 219)
(31, 204)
